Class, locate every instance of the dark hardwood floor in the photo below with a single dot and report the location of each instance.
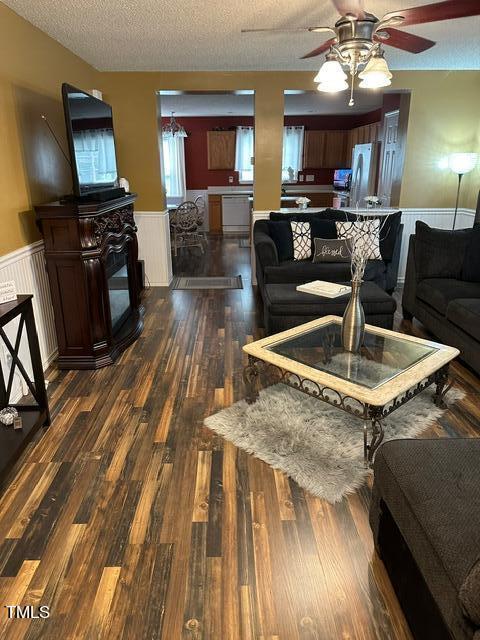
(131, 520)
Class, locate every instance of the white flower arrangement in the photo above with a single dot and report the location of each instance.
(373, 201)
(302, 202)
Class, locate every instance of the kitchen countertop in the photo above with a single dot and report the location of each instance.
(300, 188)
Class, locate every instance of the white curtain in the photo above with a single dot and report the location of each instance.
(174, 166)
(292, 157)
(95, 156)
(244, 153)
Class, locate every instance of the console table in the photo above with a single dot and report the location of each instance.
(34, 416)
(91, 252)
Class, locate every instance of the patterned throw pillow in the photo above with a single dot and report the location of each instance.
(302, 240)
(369, 233)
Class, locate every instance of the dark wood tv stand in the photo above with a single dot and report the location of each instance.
(91, 252)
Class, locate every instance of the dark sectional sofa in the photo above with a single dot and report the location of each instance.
(274, 251)
(278, 274)
(425, 517)
(442, 287)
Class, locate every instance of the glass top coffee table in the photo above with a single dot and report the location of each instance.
(391, 369)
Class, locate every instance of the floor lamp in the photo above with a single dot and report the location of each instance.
(461, 163)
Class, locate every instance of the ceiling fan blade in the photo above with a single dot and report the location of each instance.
(350, 8)
(447, 10)
(291, 30)
(404, 40)
(321, 49)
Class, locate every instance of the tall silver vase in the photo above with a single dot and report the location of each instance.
(353, 323)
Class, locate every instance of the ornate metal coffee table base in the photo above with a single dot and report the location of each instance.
(372, 415)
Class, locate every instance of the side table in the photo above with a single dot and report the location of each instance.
(34, 416)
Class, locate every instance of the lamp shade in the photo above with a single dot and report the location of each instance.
(376, 74)
(331, 72)
(332, 87)
(462, 163)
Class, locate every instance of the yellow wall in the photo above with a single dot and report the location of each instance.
(136, 122)
(32, 169)
(443, 118)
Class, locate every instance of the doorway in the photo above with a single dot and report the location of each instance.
(328, 146)
(206, 142)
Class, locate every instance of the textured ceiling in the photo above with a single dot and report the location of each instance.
(187, 35)
(306, 103)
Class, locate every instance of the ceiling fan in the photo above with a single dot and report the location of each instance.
(359, 36)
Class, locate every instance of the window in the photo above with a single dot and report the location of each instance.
(292, 155)
(174, 166)
(244, 154)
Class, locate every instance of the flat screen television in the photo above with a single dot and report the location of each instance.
(91, 142)
(342, 179)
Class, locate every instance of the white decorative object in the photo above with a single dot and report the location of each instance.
(324, 289)
(373, 201)
(124, 183)
(302, 240)
(8, 291)
(302, 202)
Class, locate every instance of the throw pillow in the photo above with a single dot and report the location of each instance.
(439, 253)
(471, 262)
(281, 234)
(302, 243)
(367, 232)
(389, 234)
(331, 250)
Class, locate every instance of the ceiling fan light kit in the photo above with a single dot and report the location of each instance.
(359, 36)
(376, 74)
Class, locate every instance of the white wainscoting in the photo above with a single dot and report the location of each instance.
(26, 267)
(154, 246)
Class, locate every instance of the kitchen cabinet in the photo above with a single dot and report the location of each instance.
(335, 150)
(318, 199)
(313, 144)
(366, 134)
(215, 213)
(221, 150)
(325, 149)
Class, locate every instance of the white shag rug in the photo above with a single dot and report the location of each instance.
(319, 446)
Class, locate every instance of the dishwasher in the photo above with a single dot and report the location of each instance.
(235, 213)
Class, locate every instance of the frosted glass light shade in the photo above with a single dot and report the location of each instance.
(332, 87)
(462, 163)
(376, 74)
(331, 72)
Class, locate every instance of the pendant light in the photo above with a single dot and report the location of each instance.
(173, 128)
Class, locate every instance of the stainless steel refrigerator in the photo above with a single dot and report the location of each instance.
(364, 173)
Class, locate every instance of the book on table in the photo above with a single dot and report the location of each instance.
(325, 289)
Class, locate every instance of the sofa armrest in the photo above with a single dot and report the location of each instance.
(265, 249)
(394, 264)
(411, 281)
(470, 594)
(266, 254)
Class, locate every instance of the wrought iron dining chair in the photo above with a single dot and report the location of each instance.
(184, 222)
(200, 202)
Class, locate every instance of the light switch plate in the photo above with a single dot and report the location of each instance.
(310, 178)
